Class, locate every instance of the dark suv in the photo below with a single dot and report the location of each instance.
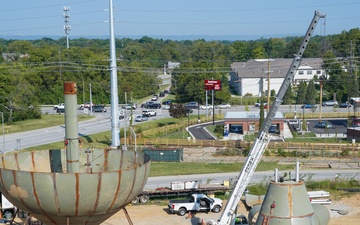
(146, 104)
(155, 105)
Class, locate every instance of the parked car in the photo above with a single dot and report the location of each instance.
(166, 107)
(205, 107)
(141, 118)
(155, 105)
(146, 104)
(309, 106)
(167, 102)
(98, 108)
(224, 106)
(330, 103)
(323, 124)
(345, 105)
(154, 98)
(274, 129)
(192, 105)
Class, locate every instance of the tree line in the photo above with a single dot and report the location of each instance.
(35, 71)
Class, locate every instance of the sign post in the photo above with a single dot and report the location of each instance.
(213, 85)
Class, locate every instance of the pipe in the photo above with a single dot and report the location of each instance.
(71, 129)
(297, 172)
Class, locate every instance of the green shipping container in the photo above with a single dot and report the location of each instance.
(166, 154)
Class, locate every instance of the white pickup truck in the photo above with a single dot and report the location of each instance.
(197, 202)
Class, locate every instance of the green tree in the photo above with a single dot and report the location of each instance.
(310, 93)
(288, 97)
(178, 110)
(301, 94)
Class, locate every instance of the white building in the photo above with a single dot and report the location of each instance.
(251, 77)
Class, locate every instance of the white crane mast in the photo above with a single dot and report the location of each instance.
(261, 142)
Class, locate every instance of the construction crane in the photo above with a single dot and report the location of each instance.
(261, 142)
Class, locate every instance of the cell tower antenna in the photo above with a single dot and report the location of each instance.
(67, 27)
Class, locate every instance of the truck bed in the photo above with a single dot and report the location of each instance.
(180, 201)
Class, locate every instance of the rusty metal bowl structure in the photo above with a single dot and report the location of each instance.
(73, 186)
(37, 182)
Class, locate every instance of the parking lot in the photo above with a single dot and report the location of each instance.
(338, 127)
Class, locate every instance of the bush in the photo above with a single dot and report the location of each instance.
(345, 152)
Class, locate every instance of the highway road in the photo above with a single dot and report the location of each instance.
(101, 123)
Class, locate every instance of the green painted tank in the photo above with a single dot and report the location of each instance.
(287, 203)
(73, 186)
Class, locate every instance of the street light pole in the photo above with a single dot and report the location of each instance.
(320, 105)
(188, 125)
(268, 77)
(199, 113)
(3, 131)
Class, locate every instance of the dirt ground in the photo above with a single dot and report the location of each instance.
(159, 215)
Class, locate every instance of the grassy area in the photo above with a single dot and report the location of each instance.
(317, 140)
(183, 168)
(47, 120)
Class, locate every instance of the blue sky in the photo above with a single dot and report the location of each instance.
(177, 17)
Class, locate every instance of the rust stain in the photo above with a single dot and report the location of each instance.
(300, 183)
(70, 88)
(106, 158)
(33, 160)
(292, 217)
(77, 197)
(16, 161)
(97, 193)
(3, 161)
(290, 199)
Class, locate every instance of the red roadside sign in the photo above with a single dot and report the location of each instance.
(212, 85)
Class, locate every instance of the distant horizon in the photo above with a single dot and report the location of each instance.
(163, 37)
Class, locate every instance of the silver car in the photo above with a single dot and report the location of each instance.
(224, 106)
(330, 103)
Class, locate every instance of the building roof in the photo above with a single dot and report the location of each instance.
(250, 115)
(278, 68)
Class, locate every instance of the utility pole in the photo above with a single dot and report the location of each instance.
(268, 84)
(321, 87)
(268, 77)
(90, 99)
(350, 76)
(67, 27)
(125, 124)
